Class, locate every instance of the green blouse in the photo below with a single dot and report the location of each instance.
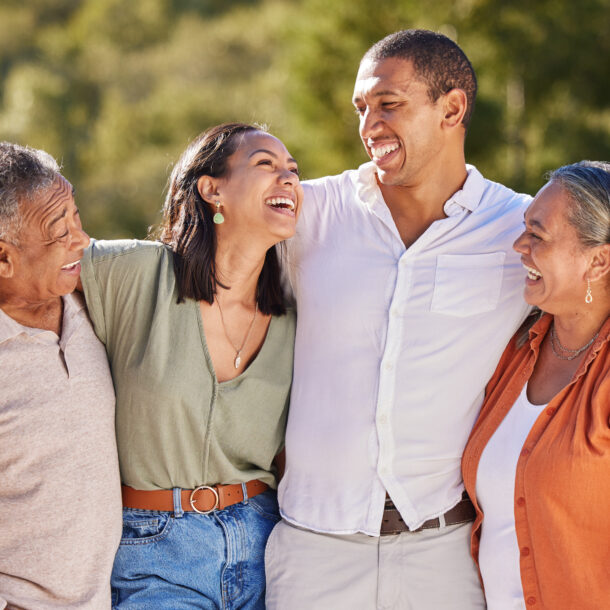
(177, 426)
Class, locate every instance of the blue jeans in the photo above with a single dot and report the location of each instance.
(185, 560)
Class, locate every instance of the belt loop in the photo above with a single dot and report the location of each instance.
(441, 522)
(178, 512)
(245, 492)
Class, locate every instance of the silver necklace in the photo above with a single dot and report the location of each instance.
(237, 360)
(574, 352)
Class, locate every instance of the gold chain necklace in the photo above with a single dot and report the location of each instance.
(238, 351)
(573, 352)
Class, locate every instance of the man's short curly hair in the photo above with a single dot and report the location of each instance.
(23, 172)
(437, 60)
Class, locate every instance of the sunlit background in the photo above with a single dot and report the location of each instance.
(115, 89)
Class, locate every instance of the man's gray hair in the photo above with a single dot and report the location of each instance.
(23, 172)
(588, 185)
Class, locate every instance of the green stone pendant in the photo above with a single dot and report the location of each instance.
(218, 218)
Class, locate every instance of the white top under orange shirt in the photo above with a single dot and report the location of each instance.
(562, 476)
(60, 498)
(499, 553)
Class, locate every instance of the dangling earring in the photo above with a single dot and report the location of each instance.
(218, 217)
(588, 296)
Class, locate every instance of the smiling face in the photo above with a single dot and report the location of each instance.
(555, 260)
(399, 126)
(51, 243)
(261, 192)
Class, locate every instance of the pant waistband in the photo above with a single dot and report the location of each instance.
(392, 522)
(203, 499)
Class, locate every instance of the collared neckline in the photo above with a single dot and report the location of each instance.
(10, 328)
(541, 327)
(366, 184)
(73, 305)
(467, 198)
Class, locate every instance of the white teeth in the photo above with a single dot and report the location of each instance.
(532, 274)
(71, 265)
(382, 151)
(280, 202)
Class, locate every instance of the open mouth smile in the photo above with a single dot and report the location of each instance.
(71, 266)
(532, 274)
(380, 151)
(284, 204)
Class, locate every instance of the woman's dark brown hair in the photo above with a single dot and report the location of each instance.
(188, 229)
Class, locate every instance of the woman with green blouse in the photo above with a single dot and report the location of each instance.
(200, 345)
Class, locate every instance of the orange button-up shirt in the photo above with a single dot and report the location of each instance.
(562, 484)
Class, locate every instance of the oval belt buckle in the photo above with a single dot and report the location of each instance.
(192, 500)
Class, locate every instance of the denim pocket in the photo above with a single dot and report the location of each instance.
(266, 505)
(145, 527)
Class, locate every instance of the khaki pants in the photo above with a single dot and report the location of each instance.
(426, 570)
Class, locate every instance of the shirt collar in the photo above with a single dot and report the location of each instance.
(467, 198)
(540, 328)
(73, 305)
(10, 328)
(366, 183)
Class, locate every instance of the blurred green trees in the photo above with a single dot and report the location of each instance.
(116, 89)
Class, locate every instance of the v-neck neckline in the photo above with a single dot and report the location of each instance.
(208, 357)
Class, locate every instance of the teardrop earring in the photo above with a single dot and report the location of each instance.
(218, 217)
(588, 296)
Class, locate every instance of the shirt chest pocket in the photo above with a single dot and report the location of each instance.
(467, 284)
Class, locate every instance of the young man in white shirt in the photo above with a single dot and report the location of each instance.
(407, 291)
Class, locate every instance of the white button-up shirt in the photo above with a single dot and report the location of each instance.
(394, 348)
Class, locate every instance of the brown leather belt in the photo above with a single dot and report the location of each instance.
(392, 522)
(203, 499)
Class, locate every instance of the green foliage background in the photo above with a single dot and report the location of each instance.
(115, 89)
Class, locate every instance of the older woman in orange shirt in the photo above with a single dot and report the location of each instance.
(537, 464)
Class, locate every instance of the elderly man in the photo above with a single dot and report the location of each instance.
(407, 290)
(60, 503)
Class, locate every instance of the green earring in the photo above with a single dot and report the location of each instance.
(218, 217)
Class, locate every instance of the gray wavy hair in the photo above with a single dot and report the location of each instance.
(23, 172)
(588, 186)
